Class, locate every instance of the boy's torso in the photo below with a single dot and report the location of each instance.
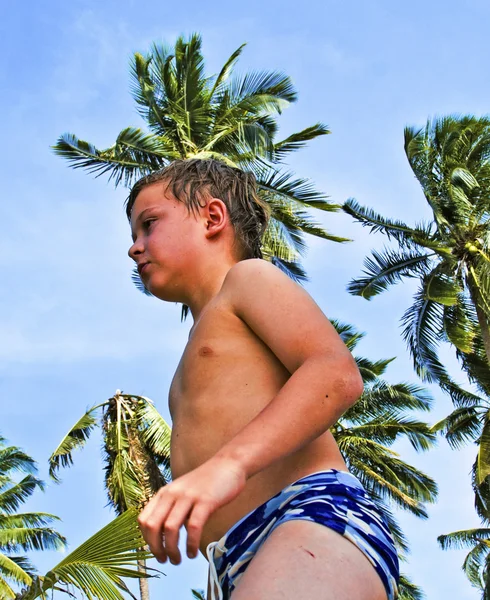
(225, 377)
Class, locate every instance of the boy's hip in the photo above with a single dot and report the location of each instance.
(333, 498)
(269, 483)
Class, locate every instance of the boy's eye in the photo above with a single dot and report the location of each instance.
(146, 224)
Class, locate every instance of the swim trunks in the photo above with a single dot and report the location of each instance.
(332, 498)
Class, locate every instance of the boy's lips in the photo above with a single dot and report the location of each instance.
(141, 267)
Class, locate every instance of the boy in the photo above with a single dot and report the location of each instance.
(258, 480)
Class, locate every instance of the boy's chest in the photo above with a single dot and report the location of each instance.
(222, 357)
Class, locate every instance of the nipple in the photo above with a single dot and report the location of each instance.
(205, 351)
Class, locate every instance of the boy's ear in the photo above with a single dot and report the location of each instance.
(215, 215)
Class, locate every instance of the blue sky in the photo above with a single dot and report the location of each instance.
(73, 327)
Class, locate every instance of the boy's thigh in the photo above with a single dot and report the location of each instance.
(302, 560)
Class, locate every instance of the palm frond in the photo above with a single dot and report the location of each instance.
(284, 185)
(260, 91)
(226, 70)
(475, 566)
(422, 331)
(406, 236)
(155, 431)
(465, 538)
(14, 459)
(459, 396)
(26, 539)
(399, 537)
(479, 275)
(73, 440)
(140, 286)
(463, 425)
(17, 494)
(371, 370)
(298, 140)
(388, 268)
(483, 456)
(84, 155)
(408, 590)
(349, 334)
(475, 365)
(281, 241)
(6, 591)
(133, 144)
(442, 289)
(123, 484)
(97, 567)
(460, 326)
(380, 397)
(10, 570)
(384, 474)
(26, 520)
(390, 426)
(292, 269)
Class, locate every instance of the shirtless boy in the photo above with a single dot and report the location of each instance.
(258, 480)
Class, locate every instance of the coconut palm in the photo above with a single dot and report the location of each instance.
(21, 532)
(450, 255)
(477, 563)
(233, 119)
(97, 568)
(136, 450)
(365, 434)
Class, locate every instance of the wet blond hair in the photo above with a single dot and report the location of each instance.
(192, 181)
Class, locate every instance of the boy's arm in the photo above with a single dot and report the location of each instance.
(324, 382)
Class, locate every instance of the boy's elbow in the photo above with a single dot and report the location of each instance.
(357, 388)
(351, 386)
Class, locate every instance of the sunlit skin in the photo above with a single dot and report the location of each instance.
(263, 377)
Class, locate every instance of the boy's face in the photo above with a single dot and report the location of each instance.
(165, 241)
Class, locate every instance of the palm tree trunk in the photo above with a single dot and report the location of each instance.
(143, 582)
(482, 318)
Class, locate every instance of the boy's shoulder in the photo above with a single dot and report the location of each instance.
(281, 313)
(252, 264)
(255, 271)
(258, 281)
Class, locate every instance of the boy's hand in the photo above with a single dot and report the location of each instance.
(189, 501)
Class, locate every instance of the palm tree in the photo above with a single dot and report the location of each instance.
(449, 255)
(192, 115)
(97, 567)
(136, 443)
(365, 434)
(21, 532)
(477, 563)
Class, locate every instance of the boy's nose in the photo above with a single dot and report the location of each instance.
(135, 250)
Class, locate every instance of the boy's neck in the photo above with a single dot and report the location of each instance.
(206, 286)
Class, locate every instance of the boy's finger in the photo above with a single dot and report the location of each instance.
(194, 527)
(152, 524)
(173, 523)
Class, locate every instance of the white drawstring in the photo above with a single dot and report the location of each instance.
(213, 575)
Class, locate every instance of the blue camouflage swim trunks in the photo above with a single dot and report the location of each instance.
(332, 498)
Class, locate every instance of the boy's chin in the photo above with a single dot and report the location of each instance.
(163, 293)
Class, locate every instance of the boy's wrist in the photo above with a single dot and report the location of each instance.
(231, 461)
